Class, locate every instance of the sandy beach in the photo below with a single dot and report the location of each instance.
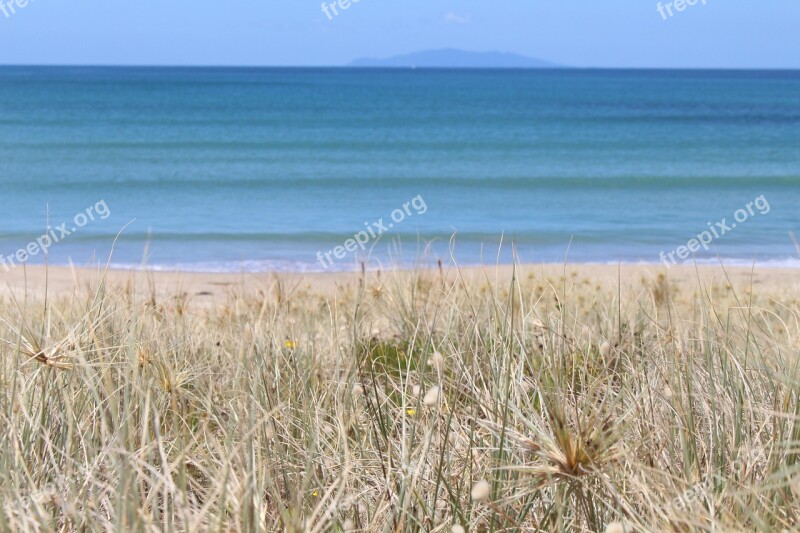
(399, 267)
(211, 288)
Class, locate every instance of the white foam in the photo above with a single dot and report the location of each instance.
(273, 265)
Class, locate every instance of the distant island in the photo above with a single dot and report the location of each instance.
(451, 58)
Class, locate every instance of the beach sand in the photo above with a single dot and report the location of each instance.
(210, 288)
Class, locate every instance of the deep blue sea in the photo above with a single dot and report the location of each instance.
(261, 169)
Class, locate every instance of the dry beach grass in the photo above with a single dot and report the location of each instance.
(528, 399)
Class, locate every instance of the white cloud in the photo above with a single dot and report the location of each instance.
(455, 18)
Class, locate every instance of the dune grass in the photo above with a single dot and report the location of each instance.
(411, 401)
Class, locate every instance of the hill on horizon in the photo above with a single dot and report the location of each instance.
(452, 58)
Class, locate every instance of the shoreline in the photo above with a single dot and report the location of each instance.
(275, 266)
(787, 263)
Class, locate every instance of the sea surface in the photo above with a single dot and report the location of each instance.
(270, 169)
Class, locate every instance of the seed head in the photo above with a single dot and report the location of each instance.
(480, 491)
(431, 397)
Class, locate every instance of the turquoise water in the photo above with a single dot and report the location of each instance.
(259, 169)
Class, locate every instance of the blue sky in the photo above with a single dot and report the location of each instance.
(587, 33)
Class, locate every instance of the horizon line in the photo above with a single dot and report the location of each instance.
(352, 67)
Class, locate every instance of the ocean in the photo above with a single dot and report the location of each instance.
(228, 169)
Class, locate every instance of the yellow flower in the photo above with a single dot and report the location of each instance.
(315, 494)
(290, 344)
(411, 412)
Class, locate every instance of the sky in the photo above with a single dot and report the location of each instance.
(580, 33)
